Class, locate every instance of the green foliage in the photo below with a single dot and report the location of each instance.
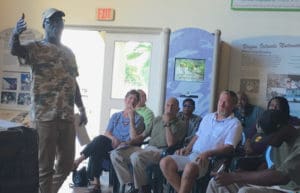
(138, 74)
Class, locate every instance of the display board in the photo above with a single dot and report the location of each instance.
(15, 79)
(274, 5)
(265, 67)
(192, 67)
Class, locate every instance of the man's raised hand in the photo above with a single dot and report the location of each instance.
(20, 26)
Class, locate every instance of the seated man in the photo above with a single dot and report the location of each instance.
(218, 133)
(275, 103)
(247, 113)
(191, 120)
(143, 110)
(165, 131)
(282, 177)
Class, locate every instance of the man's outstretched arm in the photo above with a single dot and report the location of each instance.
(266, 177)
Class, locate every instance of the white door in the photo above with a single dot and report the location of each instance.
(103, 59)
(135, 60)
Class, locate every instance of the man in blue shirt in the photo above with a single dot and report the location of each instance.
(247, 113)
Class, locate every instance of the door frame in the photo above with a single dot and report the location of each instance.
(156, 95)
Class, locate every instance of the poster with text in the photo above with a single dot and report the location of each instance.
(265, 67)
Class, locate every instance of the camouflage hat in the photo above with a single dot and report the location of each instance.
(50, 12)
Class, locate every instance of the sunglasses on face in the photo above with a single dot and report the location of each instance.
(188, 106)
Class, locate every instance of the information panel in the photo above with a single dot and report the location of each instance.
(265, 67)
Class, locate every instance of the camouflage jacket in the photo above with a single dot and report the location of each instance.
(54, 71)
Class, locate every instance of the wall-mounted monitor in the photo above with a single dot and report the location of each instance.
(188, 69)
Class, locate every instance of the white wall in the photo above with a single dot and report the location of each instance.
(175, 14)
(204, 14)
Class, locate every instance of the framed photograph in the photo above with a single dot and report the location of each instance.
(25, 81)
(8, 97)
(249, 85)
(15, 90)
(9, 83)
(274, 5)
(24, 99)
(187, 69)
(286, 85)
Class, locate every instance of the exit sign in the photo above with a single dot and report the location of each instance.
(105, 14)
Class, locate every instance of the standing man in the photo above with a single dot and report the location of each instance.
(54, 93)
(165, 131)
(218, 133)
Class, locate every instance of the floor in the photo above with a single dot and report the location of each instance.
(104, 182)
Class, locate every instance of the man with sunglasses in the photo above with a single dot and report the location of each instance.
(54, 93)
(191, 120)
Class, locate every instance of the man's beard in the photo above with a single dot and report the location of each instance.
(223, 113)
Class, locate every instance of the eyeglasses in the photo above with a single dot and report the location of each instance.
(188, 106)
(54, 20)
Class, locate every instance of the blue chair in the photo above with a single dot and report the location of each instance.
(268, 157)
(270, 163)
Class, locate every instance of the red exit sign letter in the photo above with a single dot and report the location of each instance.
(105, 14)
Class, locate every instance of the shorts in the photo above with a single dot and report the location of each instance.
(182, 161)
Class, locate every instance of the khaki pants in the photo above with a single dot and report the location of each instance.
(236, 188)
(56, 153)
(139, 159)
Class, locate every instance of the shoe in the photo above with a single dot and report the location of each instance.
(132, 190)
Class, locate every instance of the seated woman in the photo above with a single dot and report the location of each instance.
(119, 130)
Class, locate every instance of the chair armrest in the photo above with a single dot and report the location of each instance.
(170, 150)
(249, 163)
(218, 160)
